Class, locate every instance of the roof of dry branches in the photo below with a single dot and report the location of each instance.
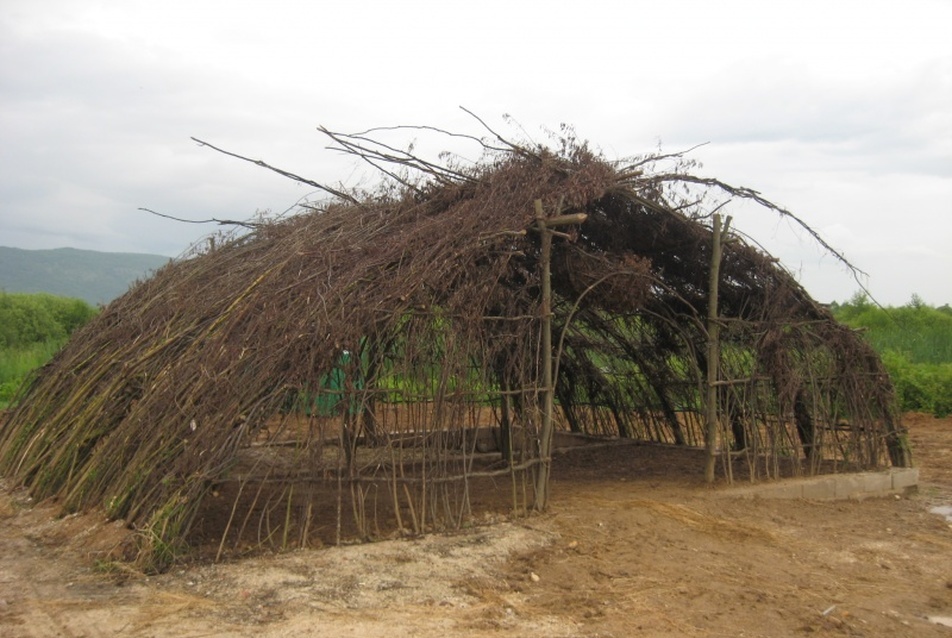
(146, 406)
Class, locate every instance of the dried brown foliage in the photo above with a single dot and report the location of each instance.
(216, 376)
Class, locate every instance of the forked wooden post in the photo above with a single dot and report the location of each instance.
(713, 349)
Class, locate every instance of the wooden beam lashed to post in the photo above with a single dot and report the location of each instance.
(561, 220)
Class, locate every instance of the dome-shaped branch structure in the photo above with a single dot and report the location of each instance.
(384, 351)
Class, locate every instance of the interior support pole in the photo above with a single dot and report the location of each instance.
(713, 350)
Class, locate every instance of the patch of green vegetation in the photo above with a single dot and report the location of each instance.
(33, 327)
(915, 342)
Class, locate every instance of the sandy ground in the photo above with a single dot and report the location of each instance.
(624, 551)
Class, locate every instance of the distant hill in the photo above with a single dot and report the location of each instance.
(87, 274)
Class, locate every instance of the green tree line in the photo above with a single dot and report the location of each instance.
(32, 328)
(915, 342)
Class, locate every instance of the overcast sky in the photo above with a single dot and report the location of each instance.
(840, 111)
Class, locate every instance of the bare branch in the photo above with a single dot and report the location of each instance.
(213, 220)
(435, 129)
(634, 168)
(289, 175)
(748, 193)
(354, 144)
(511, 146)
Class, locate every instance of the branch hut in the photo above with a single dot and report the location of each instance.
(352, 370)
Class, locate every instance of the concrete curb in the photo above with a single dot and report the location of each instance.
(897, 480)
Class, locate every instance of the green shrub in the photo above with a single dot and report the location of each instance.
(915, 342)
(33, 327)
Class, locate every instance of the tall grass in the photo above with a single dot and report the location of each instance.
(17, 362)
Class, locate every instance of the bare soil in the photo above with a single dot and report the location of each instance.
(633, 544)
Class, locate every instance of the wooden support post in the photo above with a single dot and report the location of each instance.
(545, 438)
(713, 350)
(545, 227)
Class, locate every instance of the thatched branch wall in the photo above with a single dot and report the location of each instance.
(365, 355)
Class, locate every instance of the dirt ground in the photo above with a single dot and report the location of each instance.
(626, 549)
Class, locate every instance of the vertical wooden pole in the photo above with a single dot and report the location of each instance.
(545, 438)
(548, 360)
(713, 350)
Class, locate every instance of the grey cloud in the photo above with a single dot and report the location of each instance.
(892, 121)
